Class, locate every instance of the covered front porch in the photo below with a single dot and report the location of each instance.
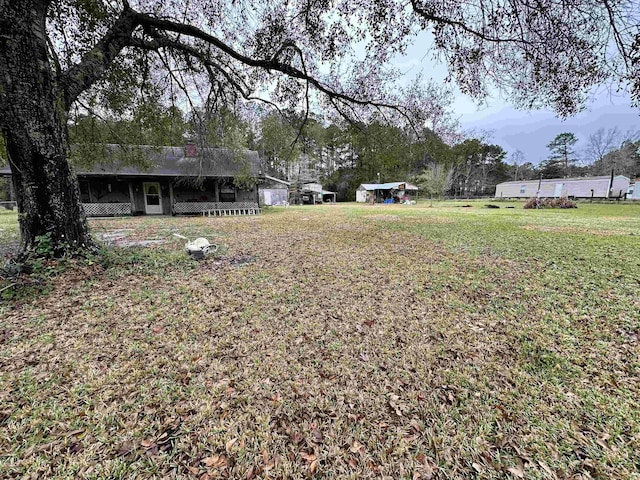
(118, 196)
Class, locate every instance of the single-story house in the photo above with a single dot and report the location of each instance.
(273, 191)
(583, 187)
(381, 192)
(168, 181)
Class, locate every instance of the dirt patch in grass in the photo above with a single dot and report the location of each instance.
(410, 217)
(383, 217)
(337, 351)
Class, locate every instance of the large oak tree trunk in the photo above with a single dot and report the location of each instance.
(33, 121)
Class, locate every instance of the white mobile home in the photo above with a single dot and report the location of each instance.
(583, 187)
(635, 190)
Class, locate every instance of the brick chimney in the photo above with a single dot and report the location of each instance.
(190, 150)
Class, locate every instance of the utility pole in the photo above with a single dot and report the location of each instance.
(539, 186)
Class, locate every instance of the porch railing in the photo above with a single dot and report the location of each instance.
(216, 208)
(106, 209)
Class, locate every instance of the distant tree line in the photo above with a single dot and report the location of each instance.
(606, 150)
(305, 148)
(341, 155)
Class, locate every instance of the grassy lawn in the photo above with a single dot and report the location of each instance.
(335, 342)
(9, 232)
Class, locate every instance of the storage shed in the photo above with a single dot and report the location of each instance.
(583, 187)
(311, 193)
(273, 191)
(379, 192)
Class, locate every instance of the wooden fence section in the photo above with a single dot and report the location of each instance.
(216, 208)
(106, 209)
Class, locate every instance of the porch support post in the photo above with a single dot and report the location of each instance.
(171, 198)
(131, 197)
(216, 190)
(12, 192)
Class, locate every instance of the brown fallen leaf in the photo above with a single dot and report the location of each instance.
(356, 447)
(517, 471)
(309, 457)
(546, 468)
(250, 474)
(415, 425)
(147, 443)
(270, 464)
(313, 468)
(229, 445)
(215, 461)
(126, 449)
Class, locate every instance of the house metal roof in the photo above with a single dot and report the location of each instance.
(556, 180)
(387, 186)
(167, 161)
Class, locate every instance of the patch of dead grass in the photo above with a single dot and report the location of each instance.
(574, 230)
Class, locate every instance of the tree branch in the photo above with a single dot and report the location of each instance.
(82, 75)
(430, 16)
(270, 65)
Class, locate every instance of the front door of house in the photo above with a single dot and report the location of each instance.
(152, 199)
(558, 192)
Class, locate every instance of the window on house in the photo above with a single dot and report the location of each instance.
(523, 188)
(227, 193)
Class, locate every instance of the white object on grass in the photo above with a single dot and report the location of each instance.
(199, 247)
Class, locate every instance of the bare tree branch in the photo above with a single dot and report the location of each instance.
(269, 65)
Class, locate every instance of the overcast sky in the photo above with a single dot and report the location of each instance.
(529, 131)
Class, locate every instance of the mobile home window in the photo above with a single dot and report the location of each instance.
(523, 188)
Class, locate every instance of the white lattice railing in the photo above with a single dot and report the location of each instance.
(106, 209)
(216, 208)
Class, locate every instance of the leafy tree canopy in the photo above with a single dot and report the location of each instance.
(549, 52)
